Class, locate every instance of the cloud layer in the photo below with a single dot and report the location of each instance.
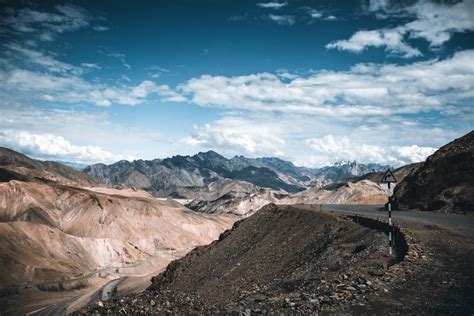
(329, 149)
(433, 22)
(49, 146)
(365, 90)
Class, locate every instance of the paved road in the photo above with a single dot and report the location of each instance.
(55, 309)
(463, 224)
(108, 289)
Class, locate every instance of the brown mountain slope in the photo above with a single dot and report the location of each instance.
(444, 183)
(362, 192)
(132, 228)
(38, 253)
(278, 255)
(13, 165)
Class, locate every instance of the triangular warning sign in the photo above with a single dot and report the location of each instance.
(388, 177)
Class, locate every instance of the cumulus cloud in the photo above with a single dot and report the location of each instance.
(282, 19)
(318, 14)
(330, 149)
(433, 22)
(49, 146)
(272, 5)
(237, 136)
(366, 90)
(312, 142)
(80, 128)
(148, 87)
(391, 39)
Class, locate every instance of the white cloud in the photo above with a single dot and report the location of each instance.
(436, 23)
(272, 5)
(318, 14)
(379, 5)
(37, 57)
(366, 90)
(91, 66)
(120, 56)
(282, 19)
(157, 71)
(330, 149)
(313, 142)
(49, 146)
(235, 135)
(391, 39)
(74, 89)
(164, 91)
(100, 28)
(80, 128)
(47, 25)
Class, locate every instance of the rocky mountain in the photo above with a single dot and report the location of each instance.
(234, 197)
(444, 182)
(345, 170)
(179, 176)
(375, 177)
(62, 235)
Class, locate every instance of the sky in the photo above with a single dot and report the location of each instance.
(312, 82)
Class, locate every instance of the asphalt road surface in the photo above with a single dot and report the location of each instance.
(463, 224)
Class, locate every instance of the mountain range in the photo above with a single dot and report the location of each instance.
(176, 176)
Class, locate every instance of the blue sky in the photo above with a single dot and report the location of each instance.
(313, 82)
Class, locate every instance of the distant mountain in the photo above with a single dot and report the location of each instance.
(168, 176)
(179, 175)
(444, 183)
(342, 171)
(74, 165)
(376, 176)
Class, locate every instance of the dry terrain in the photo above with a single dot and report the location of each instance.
(287, 259)
(64, 237)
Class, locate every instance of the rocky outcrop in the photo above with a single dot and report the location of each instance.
(444, 183)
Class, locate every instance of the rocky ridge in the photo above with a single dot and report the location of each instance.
(297, 261)
(444, 183)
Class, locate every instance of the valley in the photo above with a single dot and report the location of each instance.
(243, 158)
(70, 240)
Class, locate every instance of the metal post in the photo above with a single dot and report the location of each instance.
(390, 224)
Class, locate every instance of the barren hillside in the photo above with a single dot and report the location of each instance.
(445, 181)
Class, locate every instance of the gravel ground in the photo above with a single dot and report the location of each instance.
(289, 259)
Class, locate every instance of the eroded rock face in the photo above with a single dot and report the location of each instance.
(444, 183)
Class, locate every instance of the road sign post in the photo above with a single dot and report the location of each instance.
(389, 178)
